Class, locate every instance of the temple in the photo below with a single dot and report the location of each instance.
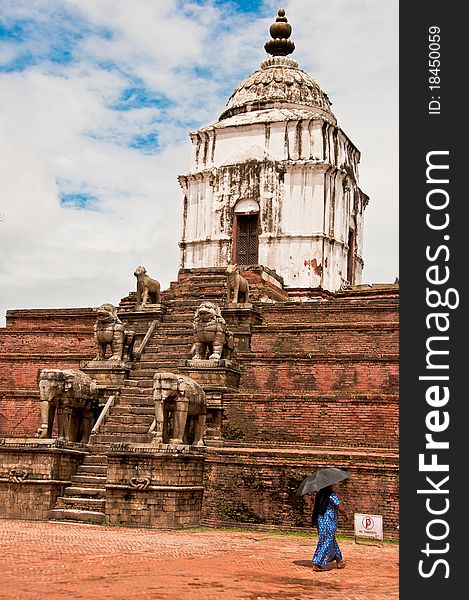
(275, 180)
(208, 402)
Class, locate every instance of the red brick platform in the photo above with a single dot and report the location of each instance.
(40, 560)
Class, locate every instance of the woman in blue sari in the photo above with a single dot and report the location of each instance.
(325, 515)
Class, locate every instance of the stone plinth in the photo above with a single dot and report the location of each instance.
(108, 373)
(214, 422)
(160, 487)
(33, 474)
(216, 378)
(240, 317)
(219, 374)
(143, 323)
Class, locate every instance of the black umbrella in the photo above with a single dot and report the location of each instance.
(321, 479)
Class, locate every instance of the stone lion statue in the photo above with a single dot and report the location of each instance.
(211, 338)
(148, 289)
(237, 287)
(110, 331)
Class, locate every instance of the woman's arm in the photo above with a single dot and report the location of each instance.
(342, 512)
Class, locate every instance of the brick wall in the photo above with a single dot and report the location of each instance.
(34, 340)
(359, 420)
(258, 487)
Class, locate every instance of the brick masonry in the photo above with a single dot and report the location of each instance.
(257, 486)
(154, 490)
(32, 477)
(319, 380)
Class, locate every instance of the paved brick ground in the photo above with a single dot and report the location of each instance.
(58, 561)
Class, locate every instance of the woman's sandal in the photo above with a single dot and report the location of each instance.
(340, 563)
(319, 568)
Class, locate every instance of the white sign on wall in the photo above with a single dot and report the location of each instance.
(369, 526)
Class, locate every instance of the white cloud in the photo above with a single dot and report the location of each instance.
(60, 132)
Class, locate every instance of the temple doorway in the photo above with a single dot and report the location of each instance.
(246, 233)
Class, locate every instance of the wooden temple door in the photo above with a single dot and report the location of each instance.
(247, 239)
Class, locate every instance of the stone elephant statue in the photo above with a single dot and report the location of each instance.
(70, 396)
(180, 409)
(212, 340)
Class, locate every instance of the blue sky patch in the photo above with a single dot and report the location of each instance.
(245, 6)
(140, 97)
(148, 143)
(54, 38)
(79, 201)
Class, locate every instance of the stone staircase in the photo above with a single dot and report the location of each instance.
(85, 499)
(130, 419)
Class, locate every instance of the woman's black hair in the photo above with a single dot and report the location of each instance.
(320, 503)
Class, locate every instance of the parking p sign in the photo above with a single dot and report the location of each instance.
(369, 526)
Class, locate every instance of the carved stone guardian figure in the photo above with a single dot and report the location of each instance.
(148, 289)
(180, 409)
(237, 287)
(212, 340)
(69, 395)
(110, 331)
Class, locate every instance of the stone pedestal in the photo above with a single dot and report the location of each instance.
(216, 377)
(218, 374)
(160, 487)
(214, 422)
(239, 320)
(108, 373)
(33, 474)
(142, 322)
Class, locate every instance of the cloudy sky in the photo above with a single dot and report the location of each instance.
(97, 98)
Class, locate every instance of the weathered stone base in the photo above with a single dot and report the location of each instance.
(155, 487)
(240, 319)
(33, 474)
(157, 507)
(220, 375)
(108, 373)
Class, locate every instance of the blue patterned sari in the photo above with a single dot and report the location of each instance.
(328, 549)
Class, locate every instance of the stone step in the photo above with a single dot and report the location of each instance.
(92, 469)
(173, 344)
(170, 331)
(122, 410)
(97, 448)
(133, 391)
(72, 514)
(95, 459)
(91, 480)
(144, 373)
(137, 400)
(87, 492)
(140, 388)
(180, 317)
(142, 364)
(172, 361)
(113, 426)
(81, 503)
(106, 439)
(145, 383)
(130, 417)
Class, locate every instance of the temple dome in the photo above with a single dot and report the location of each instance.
(279, 83)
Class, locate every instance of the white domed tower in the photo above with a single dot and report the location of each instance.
(275, 181)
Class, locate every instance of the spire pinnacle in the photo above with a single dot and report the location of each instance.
(280, 31)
